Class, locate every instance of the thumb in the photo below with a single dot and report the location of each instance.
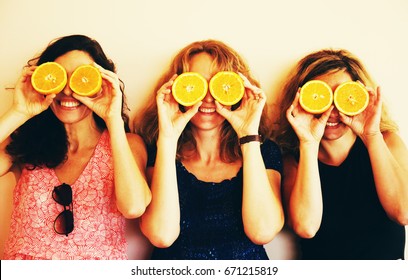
(192, 111)
(326, 115)
(224, 112)
(345, 119)
(48, 99)
(83, 99)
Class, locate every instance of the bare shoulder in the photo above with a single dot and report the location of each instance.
(290, 166)
(289, 162)
(137, 145)
(135, 139)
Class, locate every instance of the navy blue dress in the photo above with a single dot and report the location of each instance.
(211, 224)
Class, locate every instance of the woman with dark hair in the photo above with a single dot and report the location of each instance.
(79, 173)
(215, 195)
(345, 177)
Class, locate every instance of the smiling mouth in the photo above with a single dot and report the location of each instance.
(69, 104)
(331, 124)
(206, 110)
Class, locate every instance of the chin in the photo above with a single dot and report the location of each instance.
(72, 118)
(335, 133)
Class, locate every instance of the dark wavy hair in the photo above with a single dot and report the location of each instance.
(225, 59)
(42, 140)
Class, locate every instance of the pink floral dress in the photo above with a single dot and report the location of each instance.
(99, 228)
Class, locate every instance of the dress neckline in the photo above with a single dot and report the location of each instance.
(355, 145)
(88, 164)
(223, 182)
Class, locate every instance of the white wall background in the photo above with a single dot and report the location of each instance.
(141, 37)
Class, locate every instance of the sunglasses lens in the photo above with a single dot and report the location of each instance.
(63, 194)
(64, 223)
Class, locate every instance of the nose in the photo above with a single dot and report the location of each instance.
(208, 97)
(67, 90)
(335, 112)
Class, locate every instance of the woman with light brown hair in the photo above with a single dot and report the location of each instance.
(214, 195)
(345, 183)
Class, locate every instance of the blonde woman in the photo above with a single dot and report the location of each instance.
(212, 198)
(345, 178)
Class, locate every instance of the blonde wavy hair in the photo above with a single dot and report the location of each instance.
(225, 59)
(311, 66)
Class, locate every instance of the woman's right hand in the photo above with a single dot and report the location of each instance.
(27, 101)
(171, 120)
(308, 128)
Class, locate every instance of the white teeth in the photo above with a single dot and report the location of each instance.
(207, 110)
(332, 124)
(70, 104)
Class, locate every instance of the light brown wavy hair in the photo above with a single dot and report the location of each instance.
(311, 66)
(225, 59)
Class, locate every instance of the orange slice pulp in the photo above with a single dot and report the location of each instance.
(227, 87)
(351, 98)
(189, 88)
(316, 97)
(86, 80)
(49, 78)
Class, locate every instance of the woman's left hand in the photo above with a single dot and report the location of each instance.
(107, 104)
(245, 119)
(367, 123)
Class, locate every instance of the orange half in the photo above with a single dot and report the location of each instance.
(351, 98)
(227, 87)
(86, 80)
(49, 78)
(189, 88)
(316, 97)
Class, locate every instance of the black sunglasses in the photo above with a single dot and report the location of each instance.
(64, 222)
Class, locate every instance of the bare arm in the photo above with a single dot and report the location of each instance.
(6, 161)
(389, 161)
(302, 192)
(129, 153)
(388, 157)
(262, 211)
(161, 222)
(26, 104)
(7, 183)
(129, 161)
(302, 188)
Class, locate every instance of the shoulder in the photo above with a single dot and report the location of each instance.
(289, 159)
(270, 149)
(290, 164)
(269, 143)
(137, 145)
(135, 139)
